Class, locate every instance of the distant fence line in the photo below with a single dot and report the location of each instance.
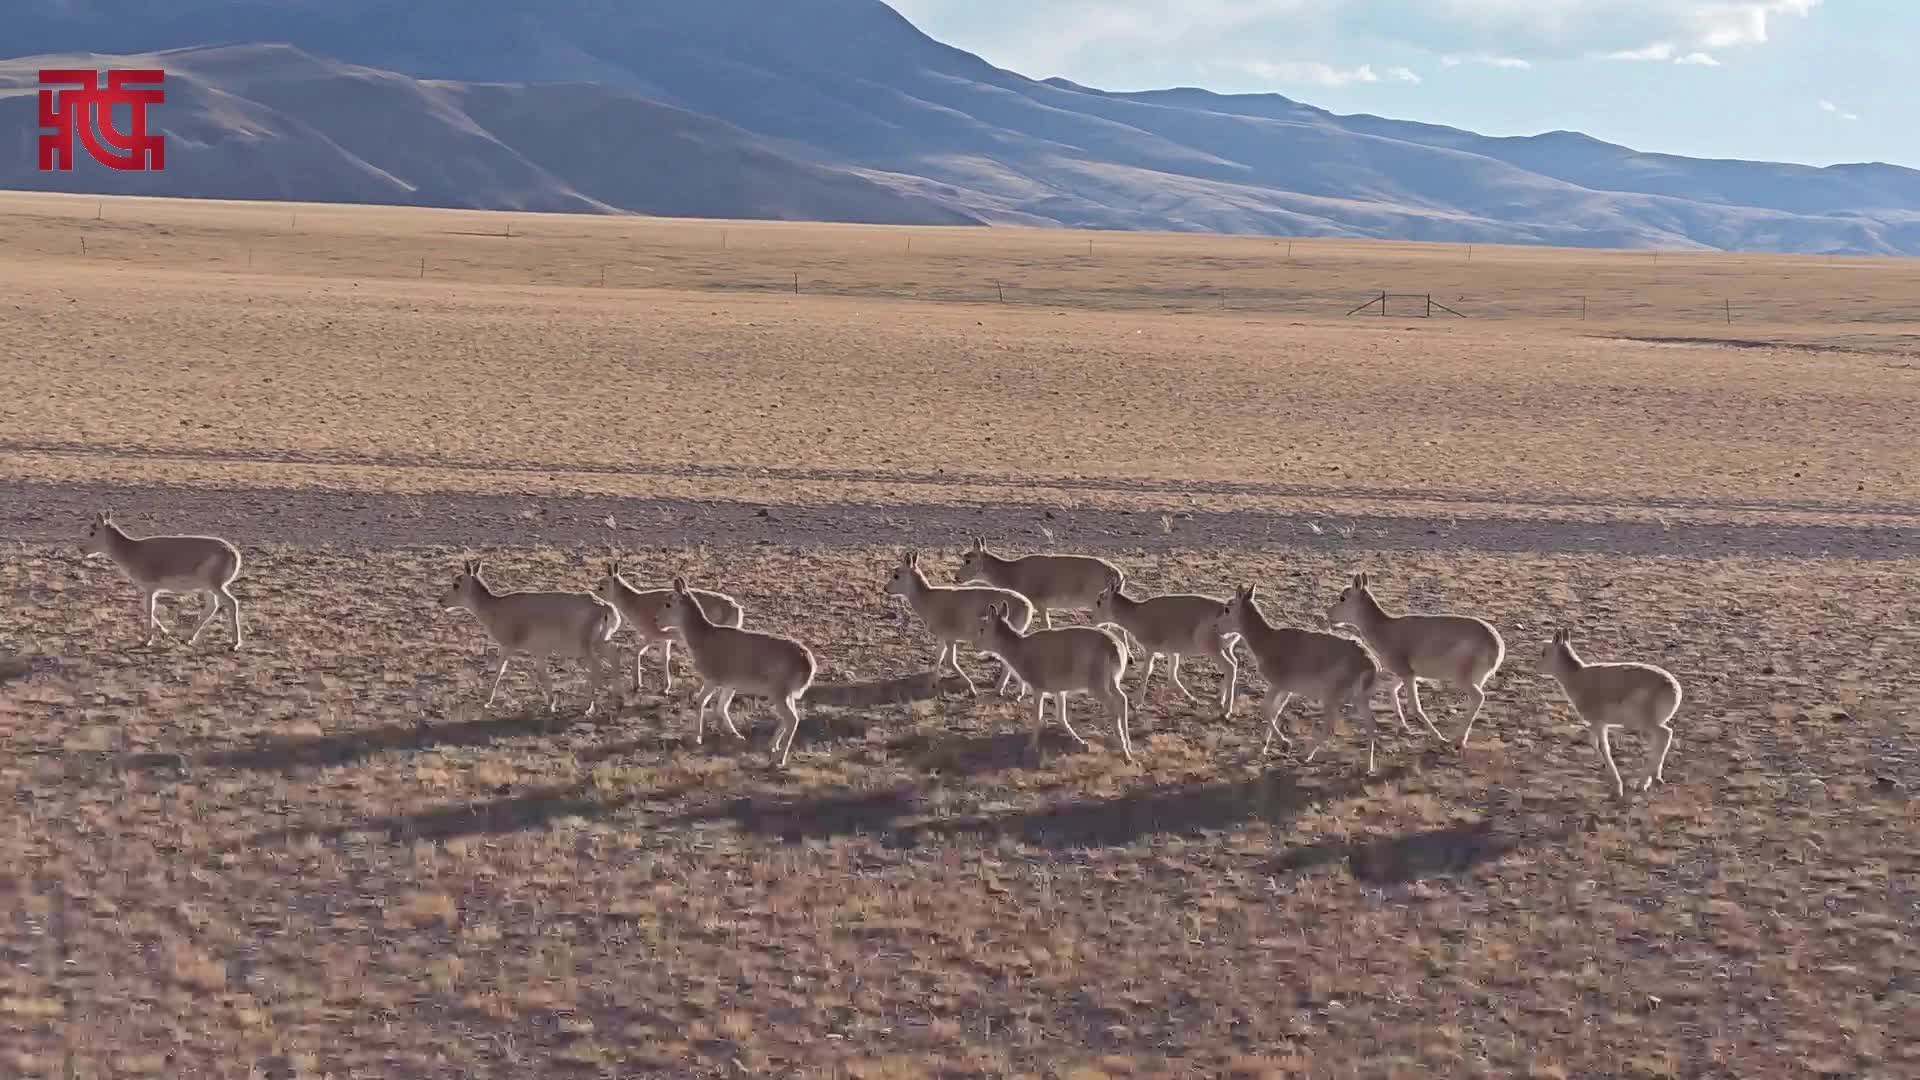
(1257, 299)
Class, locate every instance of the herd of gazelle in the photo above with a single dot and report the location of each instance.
(992, 612)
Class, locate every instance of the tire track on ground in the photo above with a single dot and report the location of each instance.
(310, 517)
(1114, 485)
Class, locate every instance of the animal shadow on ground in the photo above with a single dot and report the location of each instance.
(276, 754)
(529, 810)
(1183, 809)
(952, 754)
(1452, 851)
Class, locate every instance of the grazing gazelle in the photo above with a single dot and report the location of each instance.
(538, 625)
(1057, 663)
(1050, 582)
(1457, 649)
(951, 611)
(170, 564)
(1639, 697)
(1172, 625)
(1336, 671)
(733, 661)
(641, 608)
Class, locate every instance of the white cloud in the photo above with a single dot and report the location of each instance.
(1659, 50)
(1404, 74)
(1662, 51)
(1153, 41)
(1828, 106)
(1314, 72)
(1511, 62)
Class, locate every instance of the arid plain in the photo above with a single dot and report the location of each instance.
(317, 856)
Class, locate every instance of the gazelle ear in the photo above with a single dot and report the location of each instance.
(979, 543)
(680, 585)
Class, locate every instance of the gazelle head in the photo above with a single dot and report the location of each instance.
(973, 565)
(609, 588)
(466, 585)
(681, 609)
(901, 582)
(99, 533)
(1355, 600)
(1558, 655)
(1228, 620)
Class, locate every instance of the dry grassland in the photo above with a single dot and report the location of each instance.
(318, 857)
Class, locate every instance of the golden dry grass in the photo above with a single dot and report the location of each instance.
(317, 856)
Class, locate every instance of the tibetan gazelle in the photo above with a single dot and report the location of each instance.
(1457, 649)
(1338, 672)
(641, 608)
(1057, 663)
(951, 611)
(733, 661)
(1639, 697)
(1051, 582)
(170, 564)
(538, 625)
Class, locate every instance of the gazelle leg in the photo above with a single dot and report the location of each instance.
(639, 676)
(233, 607)
(1363, 701)
(726, 711)
(1413, 691)
(1659, 771)
(1039, 718)
(596, 679)
(953, 654)
(1478, 697)
(1117, 701)
(505, 659)
(1276, 701)
(789, 727)
(666, 663)
(1060, 706)
(1399, 709)
(1232, 665)
(1174, 672)
(1147, 676)
(153, 617)
(213, 609)
(700, 722)
(544, 678)
(1605, 745)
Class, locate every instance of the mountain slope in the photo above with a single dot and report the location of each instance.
(271, 122)
(851, 87)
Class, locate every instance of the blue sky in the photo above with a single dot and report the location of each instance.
(1815, 81)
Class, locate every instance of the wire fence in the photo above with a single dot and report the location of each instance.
(1031, 268)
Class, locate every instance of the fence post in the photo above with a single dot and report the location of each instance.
(1583, 309)
(1729, 311)
(796, 283)
(1430, 301)
(1002, 289)
(1383, 303)
(423, 266)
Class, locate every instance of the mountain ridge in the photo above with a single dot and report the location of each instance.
(847, 101)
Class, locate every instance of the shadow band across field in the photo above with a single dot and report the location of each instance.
(897, 818)
(38, 512)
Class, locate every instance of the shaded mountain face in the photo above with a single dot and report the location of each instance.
(849, 87)
(271, 122)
